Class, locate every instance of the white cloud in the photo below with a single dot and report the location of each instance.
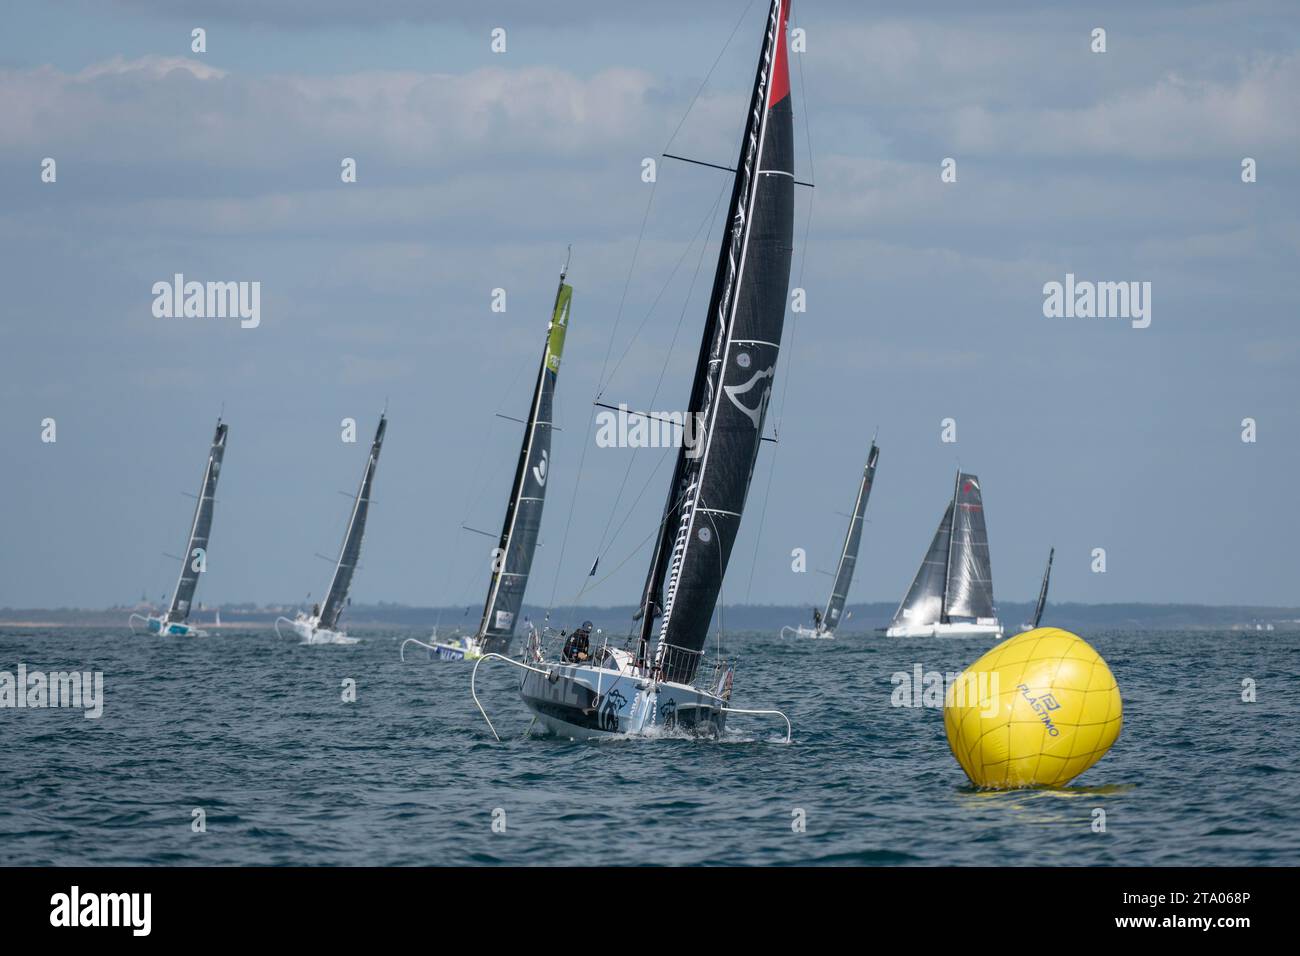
(1176, 117)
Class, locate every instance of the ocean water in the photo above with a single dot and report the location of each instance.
(254, 732)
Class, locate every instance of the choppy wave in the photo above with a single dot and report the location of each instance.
(256, 735)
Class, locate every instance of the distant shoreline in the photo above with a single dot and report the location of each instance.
(738, 618)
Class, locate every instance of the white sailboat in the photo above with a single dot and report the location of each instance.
(662, 681)
(513, 560)
(321, 625)
(825, 622)
(174, 621)
(952, 593)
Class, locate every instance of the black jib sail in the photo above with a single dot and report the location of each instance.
(350, 554)
(1042, 591)
(513, 559)
(924, 601)
(196, 550)
(733, 374)
(969, 592)
(852, 542)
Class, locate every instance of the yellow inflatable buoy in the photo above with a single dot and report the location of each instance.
(1035, 711)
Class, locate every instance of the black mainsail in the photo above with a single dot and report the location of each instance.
(733, 374)
(195, 558)
(1042, 591)
(514, 557)
(852, 542)
(337, 598)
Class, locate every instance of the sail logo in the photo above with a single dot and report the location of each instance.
(539, 469)
(208, 300)
(80, 690)
(74, 908)
(611, 704)
(1101, 300)
(734, 392)
(623, 428)
(1043, 707)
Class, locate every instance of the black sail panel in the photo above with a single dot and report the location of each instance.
(200, 529)
(969, 592)
(513, 560)
(1042, 591)
(337, 598)
(735, 375)
(852, 543)
(924, 601)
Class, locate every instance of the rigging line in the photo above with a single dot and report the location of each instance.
(640, 494)
(600, 382)
(663, 369)
(705, 81)
(634, 552)
(627, 284)
(472, 497)
(706, 221)
(794, 328)
(807, 125)
(573, 502)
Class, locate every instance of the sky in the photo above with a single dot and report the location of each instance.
(476, 170)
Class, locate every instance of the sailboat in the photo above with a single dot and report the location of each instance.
(952, 593)
(640, 688)
(195, 560)
(824, 623)
(321, 626)
(1042, 594)
(513, 558)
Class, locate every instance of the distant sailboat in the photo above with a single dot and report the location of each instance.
(824, 623)
(1042, 594)
(952, 593)
(195, 560)
(518, 543)
(321, 626)
(603, 690)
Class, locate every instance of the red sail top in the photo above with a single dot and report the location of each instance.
(781, 69)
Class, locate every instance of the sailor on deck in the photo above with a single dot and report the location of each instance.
(578, 646)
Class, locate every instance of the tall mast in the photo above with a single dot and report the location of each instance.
(852, 543)
(947, 572)
(200, 529)
(1042, 591)
(734, 370)
(350, 552)
(519, 531)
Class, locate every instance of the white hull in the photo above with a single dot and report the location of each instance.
(813, 633)
(311, 633)
(614, 698)
(962, 629)
(585, 702)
